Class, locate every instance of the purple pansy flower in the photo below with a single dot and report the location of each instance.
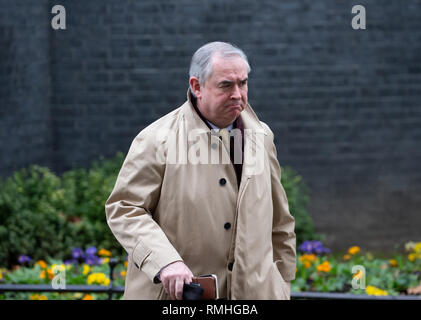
(77, 253)
(91, 251)
(306, 247)
(24, 259)
(92, 259)
(313, 246)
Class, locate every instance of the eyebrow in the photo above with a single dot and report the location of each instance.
(229, 82)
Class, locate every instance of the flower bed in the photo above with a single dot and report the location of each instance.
(357, 272)
(318, 270)
(89, 267)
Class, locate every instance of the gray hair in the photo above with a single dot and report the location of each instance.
(201, 63)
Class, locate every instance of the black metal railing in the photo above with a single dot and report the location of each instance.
(347, 296)
(110, 290)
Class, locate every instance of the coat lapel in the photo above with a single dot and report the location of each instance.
(253, 143)
(253, 137)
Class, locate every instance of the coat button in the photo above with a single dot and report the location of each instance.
(214, 146)
(227, 225)
(230, 265)
(222, 182)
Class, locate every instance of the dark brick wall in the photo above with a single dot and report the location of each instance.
(24, 85)
(344, 104)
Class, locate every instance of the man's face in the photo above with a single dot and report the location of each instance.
(224, 94)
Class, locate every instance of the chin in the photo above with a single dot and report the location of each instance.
(235, 115)
(237, 112)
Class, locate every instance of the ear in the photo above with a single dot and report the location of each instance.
(195, 85)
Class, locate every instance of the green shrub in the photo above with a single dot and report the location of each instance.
(86, 191)
(298, 196)
(43, 215)
(30, 222)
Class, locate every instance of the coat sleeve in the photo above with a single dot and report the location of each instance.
(130, 206)
(283, 235)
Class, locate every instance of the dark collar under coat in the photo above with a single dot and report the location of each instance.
(235, 143)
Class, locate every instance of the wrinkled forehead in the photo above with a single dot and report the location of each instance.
(230, 67)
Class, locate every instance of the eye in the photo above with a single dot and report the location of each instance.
(225, 85)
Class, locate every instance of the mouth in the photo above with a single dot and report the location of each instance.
(235, 107)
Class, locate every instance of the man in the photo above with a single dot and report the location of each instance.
(180, 216)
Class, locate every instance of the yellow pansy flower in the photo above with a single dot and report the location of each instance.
(105, 260)
(91, 278)
(88, 297)
(58, 267)
(50, 273)
(104, 252)
(393, 262)
(38, 297)
(123, 273)
(353, 250)
(347, 257)
(126, 263)
(86, 269)
(307, 257)
(373, 291)
(417, 248)
(42, 264)
(324, 267)
(98, 278)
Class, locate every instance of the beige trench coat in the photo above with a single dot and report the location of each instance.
(161, 210)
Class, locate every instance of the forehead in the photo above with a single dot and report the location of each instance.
(231, 68)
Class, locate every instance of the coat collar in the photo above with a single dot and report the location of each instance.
(194, 121)
(252, 136)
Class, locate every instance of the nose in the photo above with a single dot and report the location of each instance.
(236, 93)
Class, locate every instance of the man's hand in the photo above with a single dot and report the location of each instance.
(173, 277)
